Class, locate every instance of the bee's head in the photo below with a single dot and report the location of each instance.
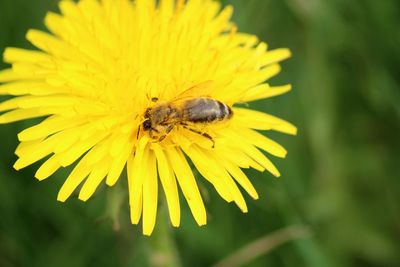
(147, 125)
(147, 122)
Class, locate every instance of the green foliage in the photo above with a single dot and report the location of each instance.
(341, 176)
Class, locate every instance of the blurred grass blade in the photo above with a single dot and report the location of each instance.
(264, 245)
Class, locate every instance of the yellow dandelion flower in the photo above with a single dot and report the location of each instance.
(150, 86)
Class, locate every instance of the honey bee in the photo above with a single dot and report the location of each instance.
(187, 112)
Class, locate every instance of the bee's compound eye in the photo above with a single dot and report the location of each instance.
(147, 125)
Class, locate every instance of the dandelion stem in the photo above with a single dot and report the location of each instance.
(163, 251)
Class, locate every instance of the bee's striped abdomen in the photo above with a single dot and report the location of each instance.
(202, 110)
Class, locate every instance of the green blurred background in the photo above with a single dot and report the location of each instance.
(341, 177)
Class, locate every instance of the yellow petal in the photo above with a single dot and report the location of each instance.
(168, 182)
(49, 43)
(12, 54)
(201, 163)
(264, 74)
(75, 152)
(69, 9)
(166, 9)
(23, 146)
(262, 121)
(246, 135)
(135, 206)
(48, 168)
(118, 165)
(235, 154)
(35, 88)
(8, 75)
(239, 176)
(69, 137)
(274, 56)
(230, 184)
(56, 24)
(254, 58)
(150, 193)
(35, 152)
(97, 175)
(80, 172)
(9, 104)
(265, 91)
(21, 114)
(260, 158)
(119, 143)
(43, 101)
(49, 126)
(238, 87)
(188, 185)
(136, 171)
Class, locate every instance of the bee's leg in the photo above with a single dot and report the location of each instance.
(206, 135)
(151, 132)
(162, 137)
(167, 131)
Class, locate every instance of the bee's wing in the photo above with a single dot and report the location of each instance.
(203, 89)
